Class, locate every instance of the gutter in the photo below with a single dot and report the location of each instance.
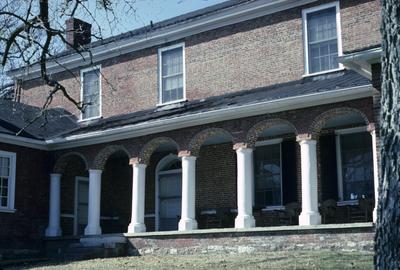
(361, 61)
(172, 33)
(23, 141)
(202, 118)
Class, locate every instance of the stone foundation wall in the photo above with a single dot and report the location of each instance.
(335, 237)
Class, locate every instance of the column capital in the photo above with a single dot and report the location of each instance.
(241, 145)
(53, 175)
(185, 153)
(136, 161)
(95, 171)
(305, 137)
(371, 127)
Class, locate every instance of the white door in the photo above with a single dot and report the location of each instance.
(81, 205)
(170, 197)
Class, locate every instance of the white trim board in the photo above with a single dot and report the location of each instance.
(176, 32)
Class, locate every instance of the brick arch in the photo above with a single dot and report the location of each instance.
(149, 148)
(63, 160)
(197, 141)
(256, 130)
(320, 121)
(105, 153)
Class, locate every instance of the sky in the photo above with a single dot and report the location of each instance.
(146, 11)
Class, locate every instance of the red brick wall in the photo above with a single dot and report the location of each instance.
(260, 52)
(26, 226)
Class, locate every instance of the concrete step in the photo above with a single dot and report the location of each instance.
(87, 250)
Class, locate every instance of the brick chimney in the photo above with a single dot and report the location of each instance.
(78, 32)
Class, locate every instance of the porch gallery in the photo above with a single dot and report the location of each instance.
(277, 172)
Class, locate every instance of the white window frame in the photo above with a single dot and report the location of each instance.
(160, 90)
(164, 161)
(11, 182)
(305, 12)
(339, 165)
(82, 72)
(75, 216)
(253, 188)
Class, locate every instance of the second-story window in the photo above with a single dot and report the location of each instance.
(172, 74)
(91, 96)
(322, 38)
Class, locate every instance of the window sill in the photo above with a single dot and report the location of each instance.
(89, 119)
(7, 210)
(171, 102)
(323, 72)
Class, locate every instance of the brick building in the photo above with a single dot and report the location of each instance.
(243, 114)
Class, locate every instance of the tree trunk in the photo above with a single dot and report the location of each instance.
(387, 239)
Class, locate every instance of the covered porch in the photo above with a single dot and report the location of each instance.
(274, 172)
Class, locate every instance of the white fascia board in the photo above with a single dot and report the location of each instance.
(231, 16)
(179, 122)
(22, 141)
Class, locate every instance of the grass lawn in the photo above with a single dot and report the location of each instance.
(269, 260)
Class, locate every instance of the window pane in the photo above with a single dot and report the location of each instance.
(357, 167)
(322, 40)
(267, 175)
(91, 94)
(4, 167)
(172, 75)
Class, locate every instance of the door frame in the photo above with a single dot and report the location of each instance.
(163, 162)
(77, 179)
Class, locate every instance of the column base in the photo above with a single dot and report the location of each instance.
(309, 218)
(92, 230)
(242, 222)
(187, 224)
(136, 228)
(53, 231)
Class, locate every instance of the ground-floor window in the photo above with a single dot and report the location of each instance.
(7, 180)
(268, 175)
(355, 166)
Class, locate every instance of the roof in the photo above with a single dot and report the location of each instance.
(170, 30)
(15, 117)
(309, 85)
(62, 126)
(184, 18)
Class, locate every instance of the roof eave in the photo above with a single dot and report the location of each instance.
(361, 61)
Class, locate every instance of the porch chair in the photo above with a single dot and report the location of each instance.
(328, 211)
(361, 212)
(292, 211)
(212, 218)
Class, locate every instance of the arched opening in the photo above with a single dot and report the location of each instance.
(168, 193)
(276, 187)
(116, 193)
(156, 154)
(346, 167)
(216, 185)
(74, 181)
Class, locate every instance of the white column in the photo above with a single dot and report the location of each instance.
(245, 174)
(54, 206)
(138, 190)
(93, 227)
(309, 214)
(188, 217)
(376, 174)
